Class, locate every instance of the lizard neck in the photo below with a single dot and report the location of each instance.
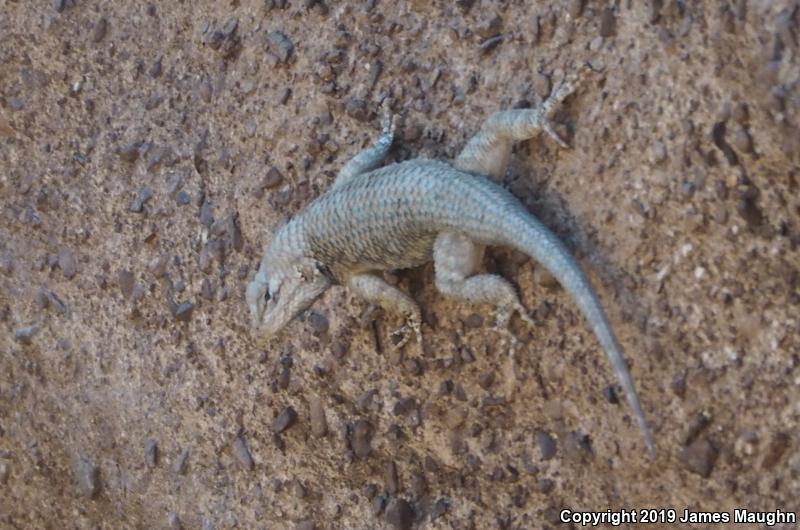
(290, 241)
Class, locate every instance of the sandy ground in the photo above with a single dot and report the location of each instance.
(149, 149)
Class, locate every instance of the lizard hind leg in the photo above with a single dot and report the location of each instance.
(489, 151)
(376, 290)
(456, 259)
(371, 157)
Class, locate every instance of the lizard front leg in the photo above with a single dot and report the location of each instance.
(489, 151)
(371, 157)
(456, 259)
(376, 290)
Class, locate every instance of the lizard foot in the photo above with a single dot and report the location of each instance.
(402, 335)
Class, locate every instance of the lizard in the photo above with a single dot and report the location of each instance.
(406, 214)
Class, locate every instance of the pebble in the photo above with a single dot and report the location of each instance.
(378, 504)
(25, 335)
(777, 447)
(7, 264)
(319, 423)
(144, 195)
(183, 198)
(356, 108)
(305, 525)
(696, 425)
(5, 471)
(129, 152)
(242, 454)
(280, 45)
(608, 23)
(545, 485)
(183, 313)
(610, 393)
(699, 457)
(285, 420)
(125, 280)
(318, 322)
(361, 438)
(547, 445)
(742, 141)
(99, 30)
(66, 262)
(541, 85)
(543, 277)
(750, 212)
(173, 521)
(489, 27)
(87, 476)
(158, 266)
(575, 8)
(181, 463)
(151, 453)
(272, 179)
(658, 152)
(399, 514)
(390, 478)
(489, 44)
(474, 321)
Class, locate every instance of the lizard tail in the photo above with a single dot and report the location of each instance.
(529, 235)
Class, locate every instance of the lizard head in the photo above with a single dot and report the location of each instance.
(280, 291)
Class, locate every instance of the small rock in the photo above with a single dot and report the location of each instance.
(272, 179)
(541, 85)
(151, 453)
(378, 504)
(356, 108)
(543, 277)
(242, 454)
(181, 462)
(318, 322)
(87, 476)
(280, 45)
(545, 485)
(473, 321)
(399, 514)
(183, 198)
(697, 423)
(742, 141)
(575, 8)
(25, 335)
(489, 27)
(489, 44)
(699, 457)
(285, 420)
(66, 262)
(305, 525)
(608, 23)
(125, 280)
(658, 152)
(5, 471)
(137, 205)
(99, 30)
(319, 423)
(361, 438)
(173, 521)
(391, 479)
(129, 152)
(610, 393)
(547, 445)
(183, 313)
(158, 266)
(207, 213)
(777, 447)
(7, 264)
(750, 212)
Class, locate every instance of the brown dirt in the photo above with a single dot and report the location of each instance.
(132, 134)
